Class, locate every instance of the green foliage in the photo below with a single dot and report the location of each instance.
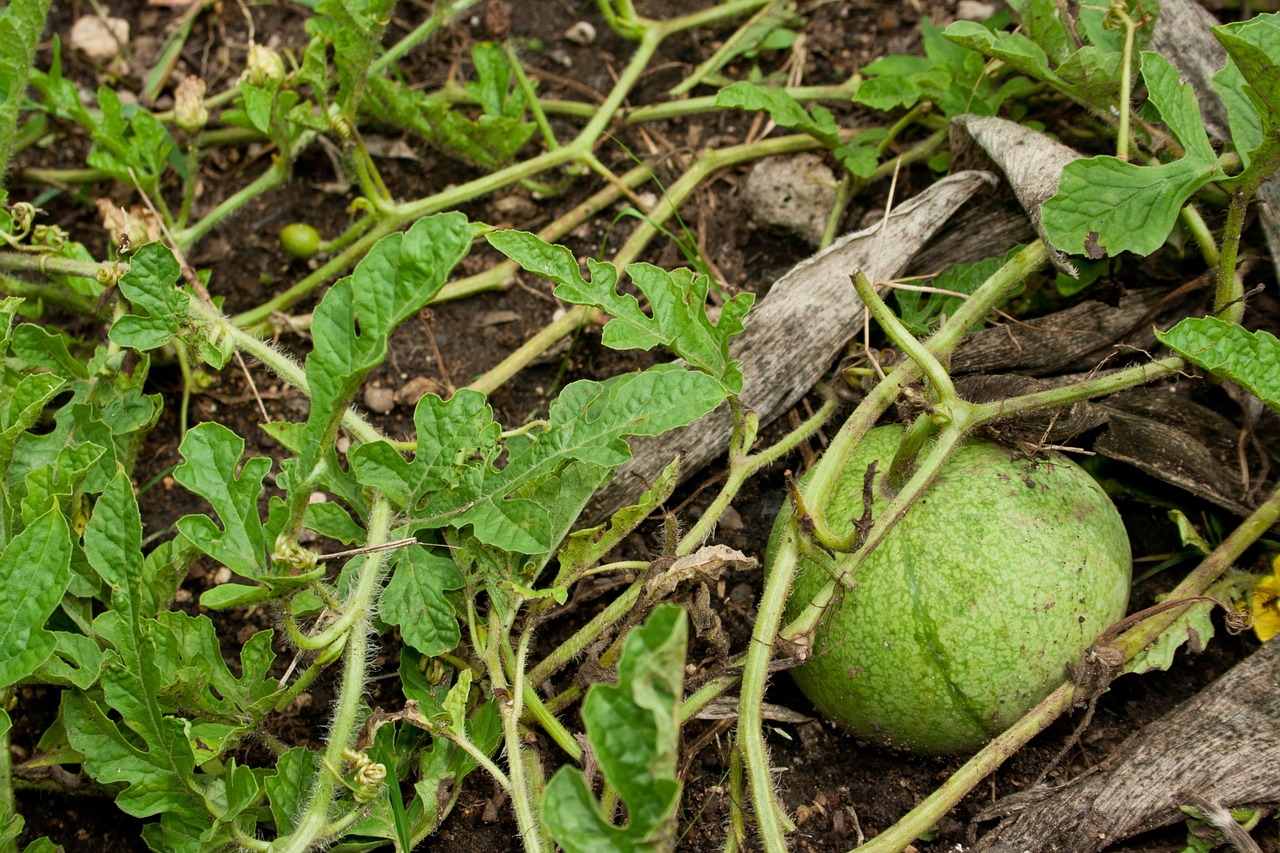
(633, 729)
(1045, 50)
(129, 145)
(1228, 350)
(491, 139)
(677, 301)
(922, 312)
(28, 598)
(399, 275)
(1247, 84)
(859, 155)
(161, 308)
(587, 423)
(1105, 205)
(950, 75)
(20, 25)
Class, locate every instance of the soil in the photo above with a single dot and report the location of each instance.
(837, 790)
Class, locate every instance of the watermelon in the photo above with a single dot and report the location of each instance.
(966, 615)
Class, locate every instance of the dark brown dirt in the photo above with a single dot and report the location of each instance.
(835, 788)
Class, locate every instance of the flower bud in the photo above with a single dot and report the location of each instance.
(188, 105)
(264, 64)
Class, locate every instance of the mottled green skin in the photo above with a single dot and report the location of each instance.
(967, 614)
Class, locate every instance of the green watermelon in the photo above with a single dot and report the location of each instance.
(965, 616)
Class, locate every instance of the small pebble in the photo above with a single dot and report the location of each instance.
(581, 33)
(974, 10)
(380, 400)
(415, 389)
(221, 576)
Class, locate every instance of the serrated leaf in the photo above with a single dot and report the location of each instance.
(156, 778)
(35, 571)
(1228, 350)
(492, 139)
(633, 729)
(1254, 45)
(586, 547)
(1041, 22)
(132, 149)
(287, 788)
(155, 759)
(42, 347)
(1193, 627)
(677, 300)
(1014, 49)
(211, 456)
(54, 484)
(20, 26)
(356, 33)
(77, 661)
(205, 683)
(1105, 206)
(1243, 118)
(453, 439)
(782, 108)
(22, 409)
(414, 599)
(350, 327)
(588, 423)
(160, 308)
(455, 702)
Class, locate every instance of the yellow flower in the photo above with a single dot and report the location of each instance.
(1264, 603)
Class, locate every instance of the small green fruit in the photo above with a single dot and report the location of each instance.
(966, 615)
(300, 240)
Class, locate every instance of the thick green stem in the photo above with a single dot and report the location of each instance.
(49, 264)
(356, 607)
(1126, 86)
(313, 824)
(277, 362)
(52, 294)
(268, 180)
(755, 675)
(944, 392)
(510, 707)
(1228, 300)
(8, 810)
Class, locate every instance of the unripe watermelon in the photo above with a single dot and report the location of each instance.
(966, 615)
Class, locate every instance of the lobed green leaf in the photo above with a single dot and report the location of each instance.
(633, 729)
(20, 26)
(677, 301)
(588, 423)
(1254, 46)
(160, 308)
(1228, 350)
(35, 571)
(415, 600)
(211, 455)
(1105, 206)
(351, 326)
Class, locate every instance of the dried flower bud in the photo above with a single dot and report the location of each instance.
(132, 227)
(264, 64)
(188, 105)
